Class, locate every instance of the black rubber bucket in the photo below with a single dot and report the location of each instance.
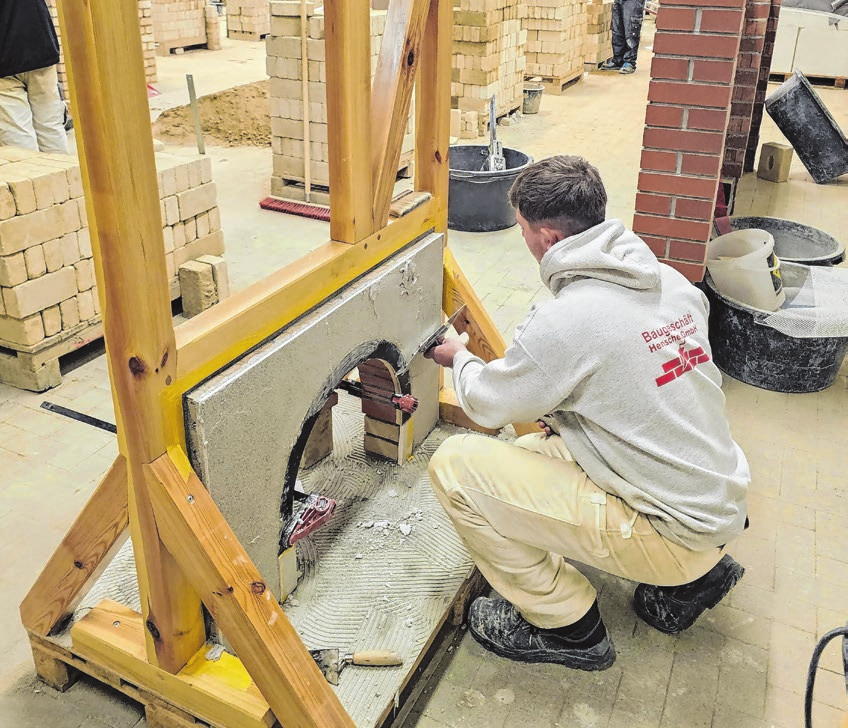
(805, 121)
(478, 200)
(794, 242)
(764, 357)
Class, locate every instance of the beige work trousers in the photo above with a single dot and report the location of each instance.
(32, 112)
(522, 508)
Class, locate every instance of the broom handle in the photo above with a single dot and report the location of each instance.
(304, 74)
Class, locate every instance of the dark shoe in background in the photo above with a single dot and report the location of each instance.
(672, 609)
(498, 626)
(610, 65)
(627, 68)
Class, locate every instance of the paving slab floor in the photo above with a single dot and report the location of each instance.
(743, 665)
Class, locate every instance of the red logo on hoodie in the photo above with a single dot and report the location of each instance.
(685, 361)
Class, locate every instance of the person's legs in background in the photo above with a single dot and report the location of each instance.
(633, 13)
(619, 42)
(16, 128)
(48, 109)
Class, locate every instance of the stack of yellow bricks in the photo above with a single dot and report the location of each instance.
(286, 100)
(178, 24)
(248, 19)
(48, 298)
(597, 46)
(555, 33)
(488, 60)
(148, 45)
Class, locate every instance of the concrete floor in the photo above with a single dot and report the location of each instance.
(743, 665)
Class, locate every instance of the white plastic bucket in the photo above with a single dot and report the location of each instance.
(744, 267)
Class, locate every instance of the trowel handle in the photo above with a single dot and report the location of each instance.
(376, 657)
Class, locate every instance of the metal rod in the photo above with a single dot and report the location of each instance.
(195, 112)
(80, 417)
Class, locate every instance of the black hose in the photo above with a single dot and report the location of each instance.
(814, 664)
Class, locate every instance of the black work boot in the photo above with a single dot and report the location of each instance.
(671, 609)
(498, 626)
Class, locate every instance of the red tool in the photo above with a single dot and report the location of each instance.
(317, 509)
(404, 402)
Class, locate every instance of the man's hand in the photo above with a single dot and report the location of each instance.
(545, 427)
(444, 352)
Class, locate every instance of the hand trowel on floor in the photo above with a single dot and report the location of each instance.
(495, 162)
(332, 662)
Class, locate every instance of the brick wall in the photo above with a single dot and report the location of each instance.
(695, 52)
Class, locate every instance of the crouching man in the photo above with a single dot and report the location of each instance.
(634, 471)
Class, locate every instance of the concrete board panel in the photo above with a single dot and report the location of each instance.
(244, 424)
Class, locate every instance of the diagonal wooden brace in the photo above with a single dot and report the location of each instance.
(208, 552)
(94, 538)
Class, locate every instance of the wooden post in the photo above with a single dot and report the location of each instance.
(432, 107)
(392, 96)
(347, 43)
(108, 91)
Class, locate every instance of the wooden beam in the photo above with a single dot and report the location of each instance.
(450, 411)
(220, 691)
(108, 88)
(347, 45)
(212, 339)
(484, 339)
(432, 109)
(391, 96)
(94, 538)
(239, 601)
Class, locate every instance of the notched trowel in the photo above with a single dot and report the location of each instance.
(332, 662)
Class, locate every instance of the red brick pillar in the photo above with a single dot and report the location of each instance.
(762, 86)
(745, 86)
(695, 51)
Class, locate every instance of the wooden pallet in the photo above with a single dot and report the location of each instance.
(483, 125)
(245, 35)
(823, 81)
(556, 85)
(36, 368)
(294, 189)
(164, 48)
(59, 664)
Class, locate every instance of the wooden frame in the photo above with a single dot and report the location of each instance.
(186, 553)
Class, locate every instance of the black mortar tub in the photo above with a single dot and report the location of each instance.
(794, 242)
(478, 199)
(765, 357)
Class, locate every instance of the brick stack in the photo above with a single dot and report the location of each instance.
(597, 46)
(388, 431)
(148, 45)
(48, 297)
(489, 46)
(248, 19)
(695, 51)
(178, 24)
(556, 30)
(286, 100)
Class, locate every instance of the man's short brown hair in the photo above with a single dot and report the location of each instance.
(565, 192)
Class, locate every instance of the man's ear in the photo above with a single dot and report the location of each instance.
(550, 237)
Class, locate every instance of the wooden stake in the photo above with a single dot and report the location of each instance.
(347, 44)
(432, 108)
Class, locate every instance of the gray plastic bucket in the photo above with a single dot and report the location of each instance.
(532, 98)
(765, 357)
(794, 242)
(478, 200)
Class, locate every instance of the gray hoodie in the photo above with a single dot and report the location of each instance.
(620, 364)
